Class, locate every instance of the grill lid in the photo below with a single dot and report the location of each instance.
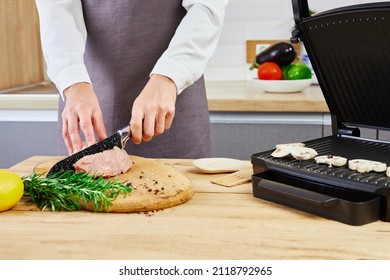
(349, 49)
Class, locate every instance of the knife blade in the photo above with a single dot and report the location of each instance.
(118, 139)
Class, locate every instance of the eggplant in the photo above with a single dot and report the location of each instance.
(281, 53)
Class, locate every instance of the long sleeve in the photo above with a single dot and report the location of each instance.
(194, 42)
(63, 37)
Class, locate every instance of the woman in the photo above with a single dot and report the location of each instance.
(137, 62)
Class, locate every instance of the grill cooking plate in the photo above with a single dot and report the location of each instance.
(336, 193)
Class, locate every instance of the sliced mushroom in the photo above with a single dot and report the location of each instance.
(388, 172)
(303, 153)
(363, 165)
(291, 145)
(281, 152)
(331, 160)
(284, 150)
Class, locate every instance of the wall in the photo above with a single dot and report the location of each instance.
(256, 20)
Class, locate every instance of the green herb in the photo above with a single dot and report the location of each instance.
(69, 191)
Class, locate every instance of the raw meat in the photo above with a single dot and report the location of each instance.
(106, 164)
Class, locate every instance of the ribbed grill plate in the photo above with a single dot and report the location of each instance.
(350, 148)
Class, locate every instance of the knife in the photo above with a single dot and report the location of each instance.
(119, 139)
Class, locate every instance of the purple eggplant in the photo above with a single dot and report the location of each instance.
(281, 53)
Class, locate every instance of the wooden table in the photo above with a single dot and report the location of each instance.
(217, 223)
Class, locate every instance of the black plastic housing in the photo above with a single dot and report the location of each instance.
(349, 49)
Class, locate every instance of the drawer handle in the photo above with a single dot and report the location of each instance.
(297, 194)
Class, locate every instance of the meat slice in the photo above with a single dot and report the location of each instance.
(106, 164)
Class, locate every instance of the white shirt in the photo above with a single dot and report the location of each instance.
(63, 36)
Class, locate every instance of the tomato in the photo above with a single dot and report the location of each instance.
(299, 71)
(269, 71)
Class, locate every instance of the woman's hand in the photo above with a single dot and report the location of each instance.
(154, 109)
(82, 111)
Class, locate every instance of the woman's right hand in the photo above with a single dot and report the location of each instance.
(82, 111)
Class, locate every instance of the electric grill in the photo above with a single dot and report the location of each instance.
(349, 49)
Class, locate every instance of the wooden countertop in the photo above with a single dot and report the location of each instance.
(217, 223)
(246, 96)
(228, 96)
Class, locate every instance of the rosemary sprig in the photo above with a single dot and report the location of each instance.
(68, 191)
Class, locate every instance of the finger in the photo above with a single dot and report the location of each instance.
(169, 119)
(148, 127)
(136, 127)
(87, 129)
(74, 133)
(159, 127)
(65, 136)
(99, 127)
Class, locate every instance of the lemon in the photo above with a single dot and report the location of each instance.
(11, 189)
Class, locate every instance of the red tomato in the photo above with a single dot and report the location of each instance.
(269, 71)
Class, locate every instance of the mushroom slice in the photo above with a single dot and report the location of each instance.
(303, 153)
(283, 150)
(291, 145)
(363, 165)
(388, 172)
(331, 160)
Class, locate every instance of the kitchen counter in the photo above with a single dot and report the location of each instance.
(246, 96)
(232, 96)
(217, 223)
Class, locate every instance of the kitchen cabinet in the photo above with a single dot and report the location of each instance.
(21, 59)
(21, 139)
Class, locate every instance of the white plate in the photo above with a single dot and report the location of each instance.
(283, 85)
(220, 165)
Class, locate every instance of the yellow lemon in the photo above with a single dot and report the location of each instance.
(11, 189)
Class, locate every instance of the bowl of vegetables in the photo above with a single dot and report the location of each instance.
(283, 86)
(277, 71)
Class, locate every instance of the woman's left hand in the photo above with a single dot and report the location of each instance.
(154, 109)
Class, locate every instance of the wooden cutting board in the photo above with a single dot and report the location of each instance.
(155, 186)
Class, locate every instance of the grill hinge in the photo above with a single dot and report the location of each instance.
(349, 131)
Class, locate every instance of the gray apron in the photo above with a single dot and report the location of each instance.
(125, 39)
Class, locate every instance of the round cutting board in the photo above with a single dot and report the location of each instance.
(155, 186)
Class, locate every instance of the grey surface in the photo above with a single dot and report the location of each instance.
(384, 135)
(239, 135)
(364, 132)
(242, 140)
(21, 140)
